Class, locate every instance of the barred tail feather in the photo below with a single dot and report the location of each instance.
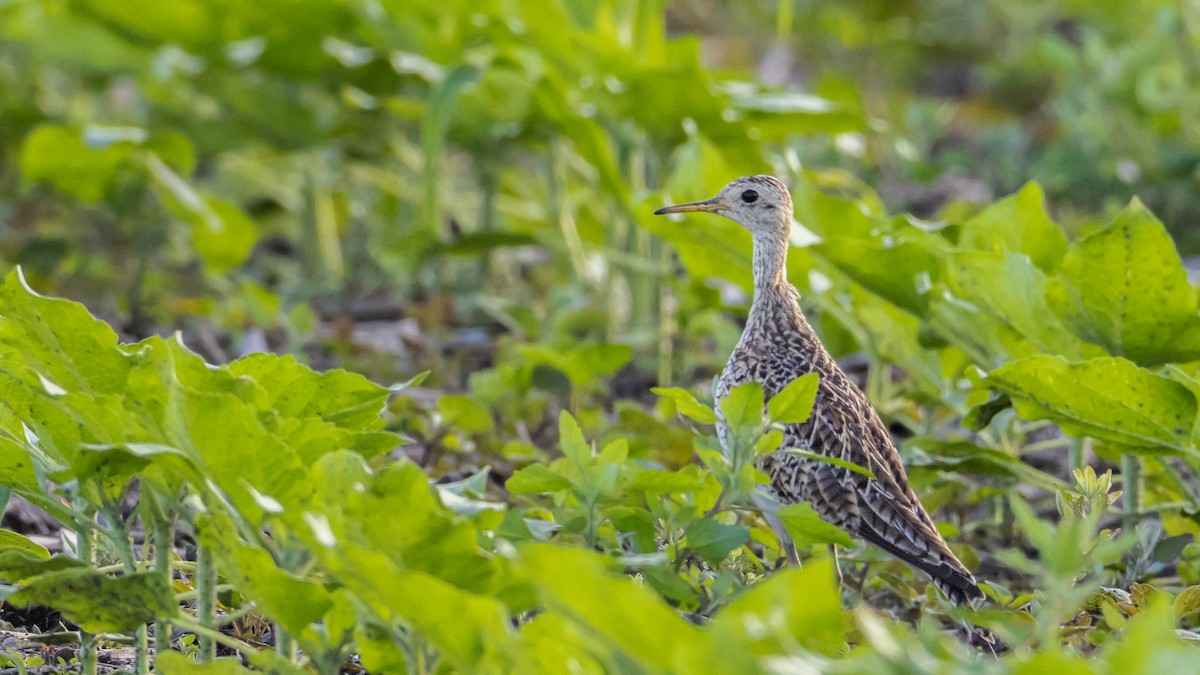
(950, 577)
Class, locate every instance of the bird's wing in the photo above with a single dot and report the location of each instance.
(884, 510)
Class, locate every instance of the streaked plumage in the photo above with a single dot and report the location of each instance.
(776, 347)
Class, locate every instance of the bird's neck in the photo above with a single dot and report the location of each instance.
(770, 260)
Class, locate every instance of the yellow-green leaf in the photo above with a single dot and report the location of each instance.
(794, 404)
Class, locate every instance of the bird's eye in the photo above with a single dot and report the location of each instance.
(749, 196)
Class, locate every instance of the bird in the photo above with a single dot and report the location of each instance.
(777, 346)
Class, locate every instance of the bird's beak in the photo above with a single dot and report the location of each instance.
(707, 206)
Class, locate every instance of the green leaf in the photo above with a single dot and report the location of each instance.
(99, 603)
(176, 663)
(768, 442)
(340, 397)
(356, 506)
(981, 415)
(613, 611)
(1187, 602)
(59, 156)
(97, 461)
(59, 340)
(836, 461)
(10, 540)
(1125, 289)
(996, 310)
(743, 406)
(536, 479)
(712, 540)
(804, 608)
(1149, 644)
(17, 564)
(687, 405)
(661, 481)
(805, 527)
(223, 235)
(1109, 398)
(575, 447)
(465, 413)
(293, 602)
(707, 246)
(1017, 224)
(583, 365)
(468, 629)
(794, 404)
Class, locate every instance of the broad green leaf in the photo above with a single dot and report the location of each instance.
(18, 564)
(293, 602)
(712, 540)
(16, 464)
(900, 261)
(1187, 602)
(468, 629)
(981, 415)
(176, 663)
(464, 412)
(708, 246)
(687, 405)
(1057, 662)
(973, 458)
(10, 540)
(536, 479)
(794, 403)
(100, 603)
(781, 115)
(582, 365)
(1149, 644)
(1108, 398)
(550, 643)
(996, 310)
(612, 610)
(169, 399)
(340, 397)
(125, 460)
(59, 156)
(889, 332)
(59, 340)
(1017, 224)
(742, 407)
(791, 606)
(661, 481)
(355, 506)
(805, 527)
(378, 649)
(1125, 289)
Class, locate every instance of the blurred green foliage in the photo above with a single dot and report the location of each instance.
(464, 188)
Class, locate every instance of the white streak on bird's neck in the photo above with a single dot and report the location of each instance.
(770, 260)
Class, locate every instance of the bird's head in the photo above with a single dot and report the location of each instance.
(760, 204)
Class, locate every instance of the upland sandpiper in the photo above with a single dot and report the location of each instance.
(777, 346)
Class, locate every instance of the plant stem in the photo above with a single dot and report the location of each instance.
(213, 635)
(1075, 456)
(285, 646)
(666, 319)
(88, 659)
(1131, 479)
(164, 545)
(558, 210)
(206, 588)
(129, 565)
